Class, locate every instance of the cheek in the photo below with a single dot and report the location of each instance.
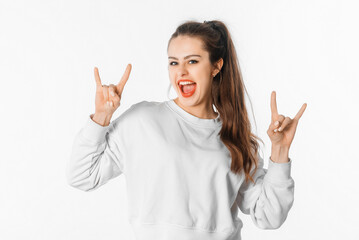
(204, 79)
(171, 76)
(172, 80)
(203, 73)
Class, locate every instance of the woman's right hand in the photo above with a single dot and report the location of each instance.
(108, 97)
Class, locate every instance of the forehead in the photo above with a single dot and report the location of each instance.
(184, 45)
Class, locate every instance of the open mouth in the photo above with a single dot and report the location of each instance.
(187, 88)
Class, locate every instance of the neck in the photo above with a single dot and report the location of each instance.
(204, 111)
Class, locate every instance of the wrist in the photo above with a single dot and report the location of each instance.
(280, 154)
(101, 119)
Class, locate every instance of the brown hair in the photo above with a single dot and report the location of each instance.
(227, 93)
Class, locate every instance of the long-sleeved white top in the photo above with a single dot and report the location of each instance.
(179, 182)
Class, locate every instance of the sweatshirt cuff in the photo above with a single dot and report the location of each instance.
(279, 172)
(93, 131)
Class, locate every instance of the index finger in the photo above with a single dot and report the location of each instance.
(124, 78)
(97, 78)
(273, 105)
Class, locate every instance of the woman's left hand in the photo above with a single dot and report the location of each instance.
(282, 134)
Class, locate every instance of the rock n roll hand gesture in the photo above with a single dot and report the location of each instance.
(108, 97)
(281, 131)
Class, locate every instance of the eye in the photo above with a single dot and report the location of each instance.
(195, 61)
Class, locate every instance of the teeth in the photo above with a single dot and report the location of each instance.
(185, 83)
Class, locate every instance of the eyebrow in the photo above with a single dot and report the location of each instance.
(193, 55)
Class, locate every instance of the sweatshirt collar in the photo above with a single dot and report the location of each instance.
(199, 122)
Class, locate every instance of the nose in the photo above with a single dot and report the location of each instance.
(182, 71)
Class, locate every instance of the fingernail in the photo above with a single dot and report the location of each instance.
(275, 130)
(276, 123)
(280, 129)
(112, 93)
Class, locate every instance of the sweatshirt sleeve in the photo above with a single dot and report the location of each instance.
(96, 156)
(270, 198)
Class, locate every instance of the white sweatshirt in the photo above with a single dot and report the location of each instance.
(179, 182)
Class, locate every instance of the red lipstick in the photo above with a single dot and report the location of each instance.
(188, 89)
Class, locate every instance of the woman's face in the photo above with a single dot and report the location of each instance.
(188, 61)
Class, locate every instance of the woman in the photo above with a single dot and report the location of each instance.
(188, 167)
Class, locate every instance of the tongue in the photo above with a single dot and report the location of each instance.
(188, 88)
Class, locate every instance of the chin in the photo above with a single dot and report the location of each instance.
(188, 102)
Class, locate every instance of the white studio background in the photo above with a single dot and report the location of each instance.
(307, 51)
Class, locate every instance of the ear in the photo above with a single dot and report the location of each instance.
(218, 66)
